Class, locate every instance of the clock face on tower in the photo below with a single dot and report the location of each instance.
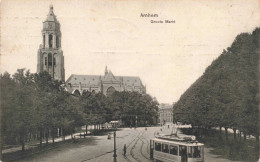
(49, 25)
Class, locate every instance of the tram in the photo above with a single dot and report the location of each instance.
(171, 148)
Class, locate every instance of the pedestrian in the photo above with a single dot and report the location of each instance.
(124, 149)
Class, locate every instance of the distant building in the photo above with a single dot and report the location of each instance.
(165, 113)
(107, 84)
(50, 55)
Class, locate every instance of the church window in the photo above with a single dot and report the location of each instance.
(54, 61)
(45, 60)
(76, 93)
(49, 59)
(44, 42)
(57, 41)
(110, 91)
(50, 40)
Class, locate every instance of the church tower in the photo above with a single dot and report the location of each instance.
(50, 55)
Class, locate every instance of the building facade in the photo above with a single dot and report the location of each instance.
(107, 84)
(50, 55)
(165, 113)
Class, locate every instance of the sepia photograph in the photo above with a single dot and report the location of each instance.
(129, 81)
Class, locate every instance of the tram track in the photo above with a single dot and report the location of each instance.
(132, 145)
(138, 139)
(132, 148)
(141, 149)
(111, 152)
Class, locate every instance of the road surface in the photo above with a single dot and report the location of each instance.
(100, 149)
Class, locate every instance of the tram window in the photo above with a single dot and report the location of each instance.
(152, 144)
(158, 146)
(196, 152)
(174, 150)
(183, 151)
(190, 151)
(165, 148)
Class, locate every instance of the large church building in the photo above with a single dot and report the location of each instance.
(51, 59)
(107, 84)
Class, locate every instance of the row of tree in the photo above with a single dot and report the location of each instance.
(227, 94)
(34, 107)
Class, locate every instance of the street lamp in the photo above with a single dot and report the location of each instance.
(136, 121)
(115, 143)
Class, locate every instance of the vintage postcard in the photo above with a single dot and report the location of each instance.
(121, 80)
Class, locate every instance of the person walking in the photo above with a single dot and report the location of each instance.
(124, 149)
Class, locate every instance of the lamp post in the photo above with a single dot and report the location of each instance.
(115, 144)
(136, 121)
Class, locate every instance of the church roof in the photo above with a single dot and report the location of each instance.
(131, 81)
(94, 80)
(83, 79)
(109, 77)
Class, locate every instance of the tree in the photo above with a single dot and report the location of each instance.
(226, 94)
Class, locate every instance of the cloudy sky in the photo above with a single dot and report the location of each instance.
(167, 57)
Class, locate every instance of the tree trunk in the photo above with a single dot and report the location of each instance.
(226, 133)
(219, 132)
(53, 134)
(22, 141)
(86, 129)
(63, 133)
(47, 136)
(40, 137)
(23, 145)
(257, 138)
(244, 136)
(34, 135)
(235, 134)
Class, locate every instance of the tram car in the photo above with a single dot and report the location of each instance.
(176, 149)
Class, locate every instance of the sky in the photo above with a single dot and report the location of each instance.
(168, 57)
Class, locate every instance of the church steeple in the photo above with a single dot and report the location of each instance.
(50, 55)
(51, 31)
(106, 72)
(51, 16)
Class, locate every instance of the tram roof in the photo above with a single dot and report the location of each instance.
(178, 142)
